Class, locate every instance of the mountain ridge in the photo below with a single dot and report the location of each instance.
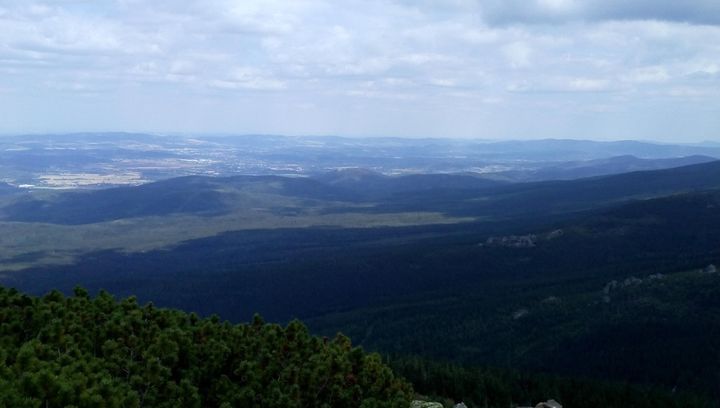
(455, 195)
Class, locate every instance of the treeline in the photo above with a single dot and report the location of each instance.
(58, 351)
(494, 388)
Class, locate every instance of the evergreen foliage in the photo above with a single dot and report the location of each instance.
(491, 388)
(58, 351)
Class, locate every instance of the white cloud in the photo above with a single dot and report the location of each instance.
(563, 85)
(248, 78)
(588, 84)
(518, 54)
(647, 75)
(428, 58)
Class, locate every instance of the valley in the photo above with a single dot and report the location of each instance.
(452, 267)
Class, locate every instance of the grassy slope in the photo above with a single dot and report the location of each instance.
(50, 228)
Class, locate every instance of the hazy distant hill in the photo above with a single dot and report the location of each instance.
(597, 167)
(557, 197)
(364, 182)
(567, 149)
(356, 191)
(540, 150)
(99, 158)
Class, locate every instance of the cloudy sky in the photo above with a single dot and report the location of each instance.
(596, 69)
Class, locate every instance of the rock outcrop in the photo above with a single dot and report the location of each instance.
(512, 241)
(547, 404)
(521, 241)
(425, 404)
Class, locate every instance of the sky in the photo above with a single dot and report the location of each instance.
(490, 69)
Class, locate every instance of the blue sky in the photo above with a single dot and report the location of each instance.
(492, 69)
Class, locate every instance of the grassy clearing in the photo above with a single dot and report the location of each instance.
(24, 245)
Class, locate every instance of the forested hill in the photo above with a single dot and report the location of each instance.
(352, 192)
(77, 351)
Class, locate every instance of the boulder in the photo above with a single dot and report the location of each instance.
(549, 404)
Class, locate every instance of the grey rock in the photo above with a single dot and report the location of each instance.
(513, 241)
(425, 404)
(519, 314)
(631, 281)
(549, 404)
(610, 286)
(551, 300)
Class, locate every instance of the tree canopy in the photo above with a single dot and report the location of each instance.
(102, 352)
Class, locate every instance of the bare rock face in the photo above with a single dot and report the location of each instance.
(549, 404)
(520, 313)
(512, 241)
(425, 404)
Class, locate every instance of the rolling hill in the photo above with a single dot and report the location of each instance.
(552, 198)
(568, 149)
(530, 286)
(204, 196)
(357, 191)
(596, 167)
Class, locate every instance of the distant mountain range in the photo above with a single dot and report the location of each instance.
(568, 149)
(99, 160)
(365, 182)
(457, 195)
(597, 167)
